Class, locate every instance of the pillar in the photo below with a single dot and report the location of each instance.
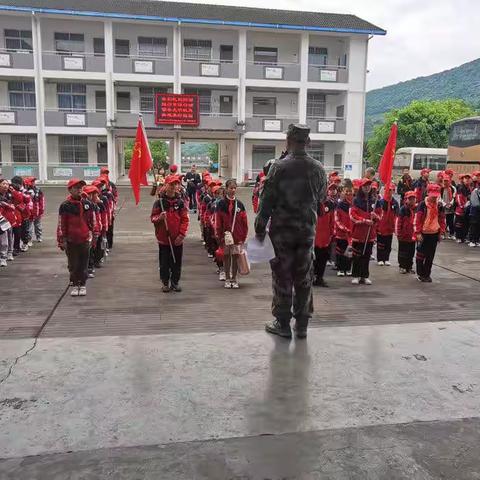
(238, 171)
(302, 94)
(110, 101)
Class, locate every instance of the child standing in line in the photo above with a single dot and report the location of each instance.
(323, 239)
(231, 230)
(448, 192)
(429, 227)
(38, 200)
(387, 208)
(474, 231)
(76, 223)
(461, 199)
(405, 233)
(343, 231)
(170, 217)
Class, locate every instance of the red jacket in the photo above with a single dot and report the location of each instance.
(343, 223)
(76, 221)
(325, 224)
(404, 227)
(421, 186)
(388, 211)
(7, 209)
(461, 199)
(21, 202)
(224, 220)
(421, 215)
(177, 219)
(360, 213)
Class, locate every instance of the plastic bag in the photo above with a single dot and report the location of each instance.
(260, 252)
(243, 263)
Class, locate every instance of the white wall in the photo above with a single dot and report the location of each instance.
(288, 45)
(127, 31)
(218, 37)
(287, 103)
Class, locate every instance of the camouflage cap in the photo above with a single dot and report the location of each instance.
(298, 132)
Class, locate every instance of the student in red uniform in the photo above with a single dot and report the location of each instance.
(461, 199)
(364, 232)
(231, 226)
(323, 239)
(387, 208)
(7, 221)
(429, 227)
(343, 231)
(76, 223)
(421, 184)
(448, 192)
(38, 199)
(405, 233)
(170, 217)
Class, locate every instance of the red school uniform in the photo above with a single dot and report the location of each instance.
(325, 224)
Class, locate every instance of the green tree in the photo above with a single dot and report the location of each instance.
(212, 152)
(158, 149)
(421, 124)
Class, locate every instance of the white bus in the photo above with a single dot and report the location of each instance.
(416, 158)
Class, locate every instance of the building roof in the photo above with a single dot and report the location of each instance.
(199, 13)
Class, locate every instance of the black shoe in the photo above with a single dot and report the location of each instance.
(423, 279)
(322, 283)
(276, 328)
(428, 280)
(174, 287)
(16, 253)
(165, 289)
(300, 332)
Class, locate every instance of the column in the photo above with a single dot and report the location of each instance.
(241, 101)
(177, 151)
(110, 100)
(177, 59)
(39, 99)
(302, 94)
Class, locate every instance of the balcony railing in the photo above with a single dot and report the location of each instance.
(274, 71)
(65, 171)
(9, 170)
(73, 62)
(327, 125)
(16, 59)
(25, 117)
(327, 73)
(208, 121)
(64, 118)
(153, 65)
(269, 123)
(209, 68)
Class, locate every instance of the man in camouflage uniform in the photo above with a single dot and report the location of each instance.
(292, 191)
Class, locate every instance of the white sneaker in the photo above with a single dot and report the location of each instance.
(74, 292)
(91, 275)
(10, 257)
(235, 285)
(210, 255)
(329, 263)
(3, 262)
(24, 248)
(228, 284)
(355, 281)
(340, 274)
(30, 243)
(388, 264)
(222, 277)
(349, 274)
(82, 291)
(381, 263)
(367, 281)
(478, 245)
(39, 240)
(472, 244)
(403, 271)
(458, 240)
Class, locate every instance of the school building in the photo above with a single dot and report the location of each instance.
(74, 76)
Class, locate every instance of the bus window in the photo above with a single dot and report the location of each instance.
(465, 135)
(434, 162)
(402, 160)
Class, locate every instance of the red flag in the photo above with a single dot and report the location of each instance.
(386, 163)
(141, 161)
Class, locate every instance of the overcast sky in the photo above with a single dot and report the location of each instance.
(423, 36)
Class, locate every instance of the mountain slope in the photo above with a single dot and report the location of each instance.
(459, 82)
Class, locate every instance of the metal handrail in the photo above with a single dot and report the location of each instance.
(66, 110)
(144, 57)
(324, 118)
(16, 109)
(327, 67)
(273, 117)
(72, 54)
(273, 64)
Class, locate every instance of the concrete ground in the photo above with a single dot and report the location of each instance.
(130, 383)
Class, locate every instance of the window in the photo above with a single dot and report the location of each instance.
(24, 149)
(315, 105)
(99, 47)
(123, 101)
(21, 95)
(317, 151)
(152, 47)
(72, 97)
(100, 101)
(69, 42)
(317, 56)
(73, 149)
(342, 61)
(265, 55)
(18, 40)
(147, 98)
(432, 161)
(226, 53)
(337, 160)
(261, 154)
(341, 112)
(197, 49)
(205, 98)
(263, 106)
(122, 48)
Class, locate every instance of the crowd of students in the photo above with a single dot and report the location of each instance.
(22, 205)
(85, 228)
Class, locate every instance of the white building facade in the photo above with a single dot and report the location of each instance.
(72, 83)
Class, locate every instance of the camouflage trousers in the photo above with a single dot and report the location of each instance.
(292, 277)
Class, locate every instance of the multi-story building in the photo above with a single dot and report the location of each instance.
(74, 75)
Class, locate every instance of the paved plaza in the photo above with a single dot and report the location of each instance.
(130, 383)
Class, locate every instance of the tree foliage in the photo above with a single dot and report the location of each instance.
(212, 152)
(420, 124)
(158, 149)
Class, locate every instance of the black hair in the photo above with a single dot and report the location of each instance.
(229, 182)
(17, 180)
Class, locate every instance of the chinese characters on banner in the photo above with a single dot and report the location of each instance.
(177, 109)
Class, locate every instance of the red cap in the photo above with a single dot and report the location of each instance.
(332, 174)
(97, 182)
(424, 171)
(434, 190)
(449, 172)
(90, 189)
(476, 173)
(215, 189)
(169, 179)
(104, 170)
(75, 181)
(173, 168)
(375, 185)
(465, 175)
(357, 182)
(365, 181)
(332, 186)
(410, 194)
(391, 186)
